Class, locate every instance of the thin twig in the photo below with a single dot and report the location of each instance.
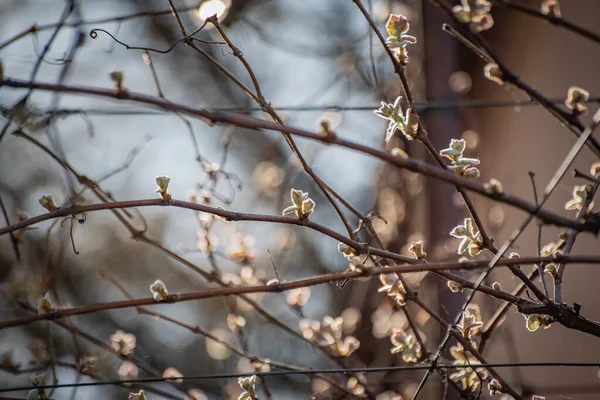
(571, 237)
(554, 20)
(13, 239)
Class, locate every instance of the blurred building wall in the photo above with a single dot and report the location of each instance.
(515, 141)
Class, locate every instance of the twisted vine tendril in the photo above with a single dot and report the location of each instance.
(94, 35)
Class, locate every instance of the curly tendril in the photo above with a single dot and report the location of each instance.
(94, 35)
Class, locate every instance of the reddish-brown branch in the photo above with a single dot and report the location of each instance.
(229, 291)
(206, 294)
(238, 216)
(566, 316)
(252, 123)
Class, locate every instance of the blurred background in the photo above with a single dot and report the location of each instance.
(315, 61)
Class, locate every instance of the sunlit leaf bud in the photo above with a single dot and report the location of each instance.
(550, 8)
(39, 380)
(454, 287)
(172, 374)
(494, 387)
(162, 183)
(459, 231)
(471, 172)
(47, 202)
(493, 72)
(117, 78)
(533, 322)
(235, 322)
(493, 187)
(397, 25)
(248, 386)
(325, 128)
(128, 371)
(137, 396)
(416, 248)
(576, 99)
(298, 196)
(346, 250)
(298, 297)
(356, 265)
(551, 269)
(455, 149)
(123, 343)
(308, 206)
(44, 304)
(482, 22)
(159, 290)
